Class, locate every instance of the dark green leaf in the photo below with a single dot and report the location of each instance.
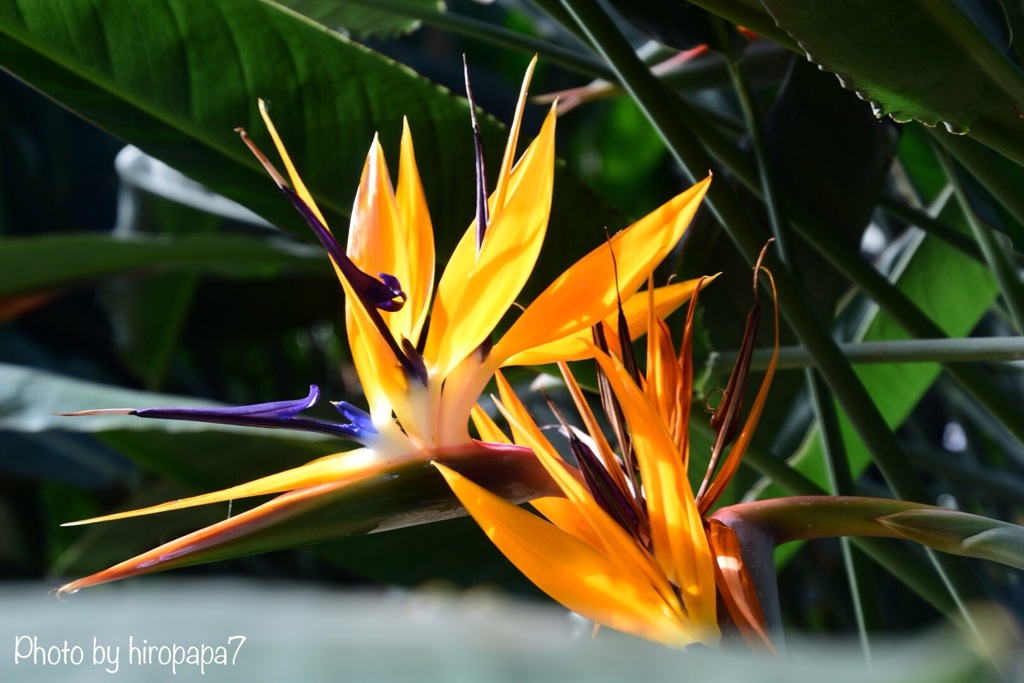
(915, 60)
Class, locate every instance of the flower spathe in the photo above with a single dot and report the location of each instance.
(421, 380)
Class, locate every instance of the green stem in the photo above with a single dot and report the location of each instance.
(933, 226)
(801, 518)
(907, 567)
(967, 350)
(779, 520)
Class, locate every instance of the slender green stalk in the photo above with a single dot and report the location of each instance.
(933, 226)
(947, 351)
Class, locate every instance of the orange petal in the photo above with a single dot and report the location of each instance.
(612, 539)
(569, 570)
(586, 293)
(576, 345)
(383, 380)
(376, 237)
(477, 289)
(486, 427)
(417, 237)
(505, 172)
(566, 516)
(676, 529)
(339, 467)
(293, 174)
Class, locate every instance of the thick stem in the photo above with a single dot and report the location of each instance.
(802, 517)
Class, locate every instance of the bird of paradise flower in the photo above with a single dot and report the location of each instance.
(627, 543)
(422, 380)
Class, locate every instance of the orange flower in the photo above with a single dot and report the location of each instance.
(628, 545)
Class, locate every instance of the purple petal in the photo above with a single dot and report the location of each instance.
(394, 291)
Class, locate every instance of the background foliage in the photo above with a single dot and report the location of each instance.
(880, 143)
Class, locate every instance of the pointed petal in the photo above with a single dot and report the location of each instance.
(417, 237)
(569, 570)
(614, 541)
(576, 346)
(566, 516)
(390, 233)
(476, 290)
(399, 494)
(383, 380)
(739, 447)
(586, 293)
(684, 390)
(662, 373)
(330, 469)
(676, 528)
(488, 430)
(375, 235)
(505, 172)
(374, 246)
(293, 174)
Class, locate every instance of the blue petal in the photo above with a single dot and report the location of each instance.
(273, 415)
(356, 416)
